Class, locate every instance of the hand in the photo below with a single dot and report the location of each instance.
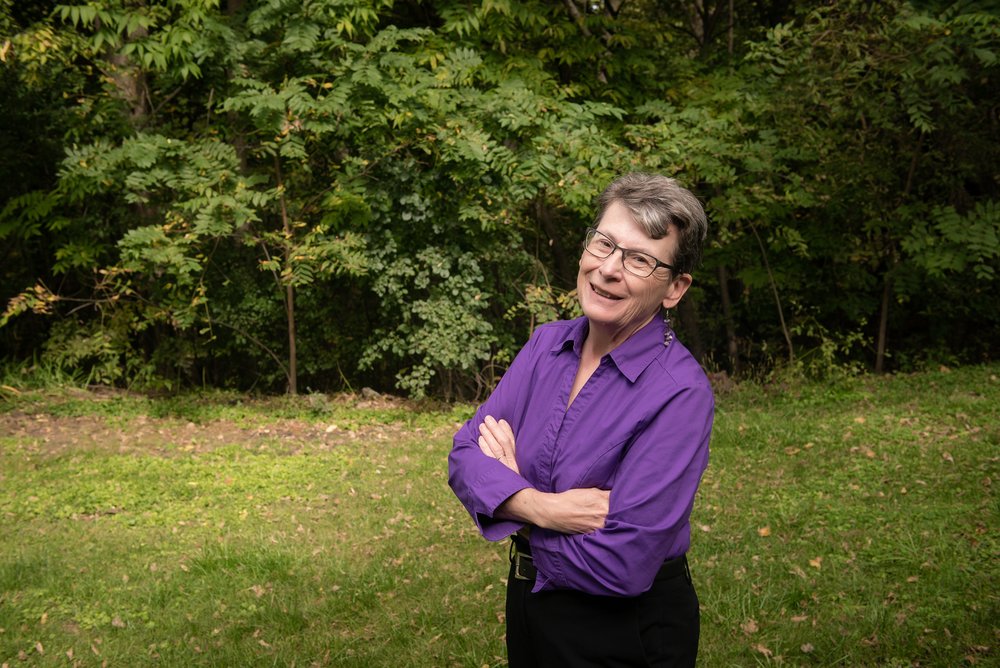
(572, 511)
(577, 510)
(496, 440)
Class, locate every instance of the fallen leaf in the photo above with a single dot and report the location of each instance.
(797, 570)
(764, 532)
(118, 623)
(39, 648)
(859, 420)
(749, 627)
(807, 648)
(760, 649)
(817, 562)
(947, 457)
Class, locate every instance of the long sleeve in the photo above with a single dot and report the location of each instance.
(639, 427)
(479, 481)
(651, 499)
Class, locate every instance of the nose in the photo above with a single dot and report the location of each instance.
(613, 264)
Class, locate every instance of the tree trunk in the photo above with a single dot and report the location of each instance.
(777, 298)
(883, 322)
(131, 85)
(581, 24)
(289, 288)
(292, 353)
(883, 319)
(729, 31)
(688, 315)
(562, 260)
(129, 80)
(732, 346)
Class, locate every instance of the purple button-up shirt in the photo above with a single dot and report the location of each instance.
(639, 427)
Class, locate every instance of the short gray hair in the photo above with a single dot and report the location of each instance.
(656, 202)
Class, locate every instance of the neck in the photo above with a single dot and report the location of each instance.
(602, 340)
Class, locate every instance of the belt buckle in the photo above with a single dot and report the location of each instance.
(523, 570)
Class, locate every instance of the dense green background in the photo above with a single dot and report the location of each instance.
(328, 194)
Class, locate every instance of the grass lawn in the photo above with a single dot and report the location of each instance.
(844, 524)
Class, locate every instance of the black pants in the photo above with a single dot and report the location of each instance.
(572, 629)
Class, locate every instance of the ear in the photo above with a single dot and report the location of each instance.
(676, 290)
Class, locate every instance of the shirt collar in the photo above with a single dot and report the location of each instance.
(631, 357)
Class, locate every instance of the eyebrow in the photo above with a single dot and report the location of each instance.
(638, 250)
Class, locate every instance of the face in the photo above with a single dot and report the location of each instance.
(612, 298)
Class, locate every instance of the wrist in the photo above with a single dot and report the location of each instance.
(526, 505)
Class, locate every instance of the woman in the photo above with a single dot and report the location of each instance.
(591, 448)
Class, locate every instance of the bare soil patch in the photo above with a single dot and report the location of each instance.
(51, 435)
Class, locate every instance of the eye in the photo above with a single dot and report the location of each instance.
(603, 244)
(640, 261)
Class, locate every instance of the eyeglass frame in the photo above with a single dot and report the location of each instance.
(593, 231)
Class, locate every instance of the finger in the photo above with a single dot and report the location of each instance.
(492, 426)
(503, 433)
(493, 447)
(507, 430)
(484, 446)
(502, 437)
(491, 451)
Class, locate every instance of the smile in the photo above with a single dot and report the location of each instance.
(602, 293)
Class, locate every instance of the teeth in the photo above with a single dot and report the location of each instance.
(602, 293)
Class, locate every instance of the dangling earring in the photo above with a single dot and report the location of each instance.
(668, 332)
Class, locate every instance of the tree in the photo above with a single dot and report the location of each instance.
(323, 194)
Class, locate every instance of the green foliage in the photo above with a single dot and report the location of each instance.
(949, 243)
(445, 326)
(169, 37)
(398, 188)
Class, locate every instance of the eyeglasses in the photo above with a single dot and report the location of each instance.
(635, 262)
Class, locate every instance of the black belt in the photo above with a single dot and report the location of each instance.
(524, 565)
